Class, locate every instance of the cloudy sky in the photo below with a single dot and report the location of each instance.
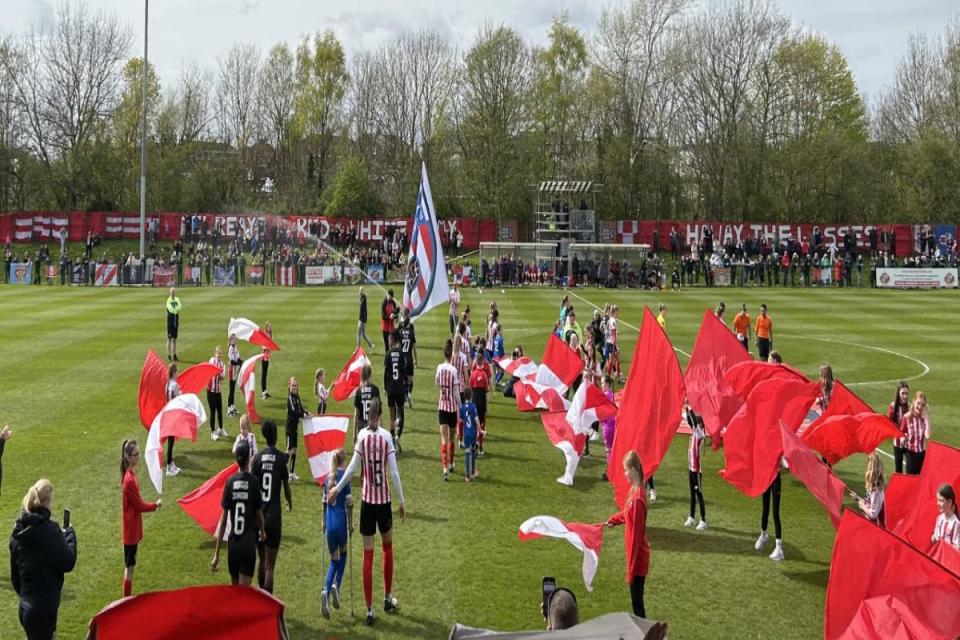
(872, 33)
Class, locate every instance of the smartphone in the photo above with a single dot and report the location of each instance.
(66, 518)
(549, 586)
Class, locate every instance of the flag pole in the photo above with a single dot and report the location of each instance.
(350, 553)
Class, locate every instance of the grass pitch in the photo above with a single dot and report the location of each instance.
(68, 382)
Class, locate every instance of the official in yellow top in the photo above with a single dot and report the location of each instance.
(662, 316)
(173, 323)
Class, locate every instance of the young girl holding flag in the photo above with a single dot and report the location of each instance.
(872, 504)
(133, 508)
(634, 516)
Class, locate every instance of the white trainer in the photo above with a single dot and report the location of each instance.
(214, 435)
(652, 495)
(223, 433)
(777, 555)
(689, 522)
(324, 608)
(172, 470)
(761, 541)
(702, 525)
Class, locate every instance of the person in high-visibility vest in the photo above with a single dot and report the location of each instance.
(173, 323)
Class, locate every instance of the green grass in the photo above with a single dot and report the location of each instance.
(68, 383)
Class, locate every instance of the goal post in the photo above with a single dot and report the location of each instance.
(628, 265)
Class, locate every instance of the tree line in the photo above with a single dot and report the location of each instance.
(729, 111)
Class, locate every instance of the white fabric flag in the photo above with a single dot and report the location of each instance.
(426, 283)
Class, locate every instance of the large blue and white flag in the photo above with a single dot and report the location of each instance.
(426, 283)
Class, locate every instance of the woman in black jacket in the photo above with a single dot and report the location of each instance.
(40, 553)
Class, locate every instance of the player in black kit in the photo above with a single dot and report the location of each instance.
(241, 505)
(395, 384)
(408, 347)
(270, 468)
(361, 400)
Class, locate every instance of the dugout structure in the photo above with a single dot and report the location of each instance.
(611, 265)
(499, 262)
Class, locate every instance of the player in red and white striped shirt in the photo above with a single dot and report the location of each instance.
(375, 454)
(916, 426)
(448, 379)
(215, 396)
(947, 527)
(694, 457)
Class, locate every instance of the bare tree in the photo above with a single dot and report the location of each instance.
(276, 94)
(238, 107)
(908, 109)
(193, 99)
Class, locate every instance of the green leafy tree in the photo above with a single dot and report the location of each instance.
(353, 194)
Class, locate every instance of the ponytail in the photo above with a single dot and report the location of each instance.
(125, 449)
(37, 496)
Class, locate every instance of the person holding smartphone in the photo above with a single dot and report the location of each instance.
(40, 554)
(133, 508)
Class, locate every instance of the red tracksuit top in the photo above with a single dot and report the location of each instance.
(133, 506)
(634, 516)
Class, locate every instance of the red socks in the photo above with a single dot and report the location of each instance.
(387, 568)
(443, 456)
(368, 576)
(127, 587)
(451, 450)
(459, 430)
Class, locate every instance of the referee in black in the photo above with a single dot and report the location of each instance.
(173, 323)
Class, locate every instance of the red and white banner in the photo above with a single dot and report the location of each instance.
(106, 275)
(349, 377)
(322, 436)
(180, 418)
(561, 436)
(588, 538)
(286, 276)
(532, 396)
(917, 278)
(250, 332)
(560, 367)
(248, 382)
(522, 367)
(589, 405)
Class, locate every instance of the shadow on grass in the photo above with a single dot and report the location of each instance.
(816, 578)
(420, 516)
(685, 540)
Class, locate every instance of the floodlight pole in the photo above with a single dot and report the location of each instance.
(143, 137)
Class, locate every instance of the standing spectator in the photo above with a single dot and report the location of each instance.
(916, 425)
(375, 455)
(764, 332)
(40, 553)
(173, 323)
(362, 321)
(898, 409)
(63, 239)
(634, 516)
(133, 509)
(215, 395)
(388, 314)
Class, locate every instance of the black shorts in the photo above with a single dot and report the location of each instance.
(173, 325)
(448, 418)
(480, 400)
(241, 561)
(129, 555)
(292, 437)
(396, 399)
(273, 527)
(375, 517)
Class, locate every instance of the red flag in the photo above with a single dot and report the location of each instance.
(651, 406)
(589, 405)
(196, 378)
(744, 376)
(898, 499)
(888, 618)
(203, 503)
(843, 402)
(588, 538)
(715, 350)
(532, 395)
(210, 612)
(521, 367)
(247, 330)
(941, 465)
(561, 365)
(248, 383)
(826, 487)
(869, 562)
(947, 555)
(840, 436)
(322, 436)
(348, 380)
(153, 386)
(752, 443)
(561, 435)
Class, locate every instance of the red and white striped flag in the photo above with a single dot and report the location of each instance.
(203, 503)
(348, 380)
(533, 395)
(323, 435)
(247, 330)
(522, 367)
(588, 538)
(180, 418)
(561, 365)
(248, 382)
(589, 405)
(561, 435)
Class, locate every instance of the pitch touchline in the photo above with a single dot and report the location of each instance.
(624, 322)
(924, 365)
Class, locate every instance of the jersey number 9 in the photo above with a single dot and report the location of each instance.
(267, 486)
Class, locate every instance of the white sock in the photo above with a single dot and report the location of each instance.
(779, 543)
